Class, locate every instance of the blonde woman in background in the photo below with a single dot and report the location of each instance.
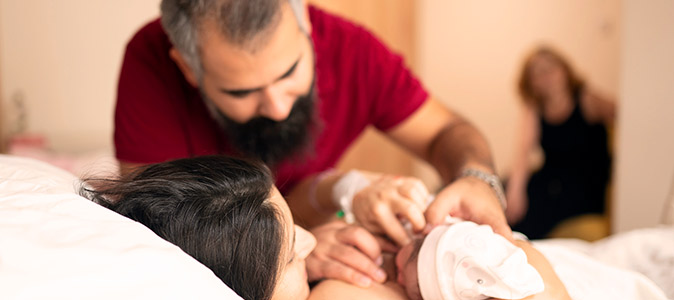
(569, 121)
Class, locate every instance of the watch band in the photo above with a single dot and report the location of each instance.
(492, 180)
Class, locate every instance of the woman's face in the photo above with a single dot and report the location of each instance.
(547, 76)
(298, 243)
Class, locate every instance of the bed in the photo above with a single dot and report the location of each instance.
(55, 244)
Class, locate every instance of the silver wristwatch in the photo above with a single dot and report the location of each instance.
(492, 180)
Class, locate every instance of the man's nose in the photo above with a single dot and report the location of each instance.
(275, 105)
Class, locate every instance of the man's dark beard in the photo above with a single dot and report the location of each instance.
(272, 141)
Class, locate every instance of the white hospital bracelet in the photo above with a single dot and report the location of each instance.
(345, 189)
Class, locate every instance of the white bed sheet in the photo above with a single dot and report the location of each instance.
(55, 244)
(634, 265)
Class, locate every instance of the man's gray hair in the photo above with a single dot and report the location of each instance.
(240, 21)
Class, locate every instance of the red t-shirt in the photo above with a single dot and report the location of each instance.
(159, 116)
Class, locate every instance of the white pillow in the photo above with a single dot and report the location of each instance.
(55, 244)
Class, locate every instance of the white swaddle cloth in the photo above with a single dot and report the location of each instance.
(468, 261)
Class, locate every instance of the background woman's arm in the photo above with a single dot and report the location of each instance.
(516, 196)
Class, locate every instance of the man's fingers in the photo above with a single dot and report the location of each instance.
(480, 209)
(505, 232)
(361, 239)
(352, 258)
(500, 226)
(443, 206)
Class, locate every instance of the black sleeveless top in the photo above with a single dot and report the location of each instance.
(573, 178)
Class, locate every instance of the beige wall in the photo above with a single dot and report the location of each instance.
(391, 20)
(646, 140)
(3, 127)
(469, 54)
(63, 58)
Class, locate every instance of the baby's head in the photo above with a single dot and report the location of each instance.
(406, 264)
(465, 261)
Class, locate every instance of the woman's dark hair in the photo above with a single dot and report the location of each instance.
(525, 87)
(214, 208)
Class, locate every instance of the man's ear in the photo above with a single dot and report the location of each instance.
(300, 11)
(305, 17)
(184, 67)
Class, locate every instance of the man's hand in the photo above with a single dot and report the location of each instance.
(348, 253)
(381, 206)
(471, 199)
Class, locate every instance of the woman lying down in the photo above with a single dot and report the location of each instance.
(226, 213)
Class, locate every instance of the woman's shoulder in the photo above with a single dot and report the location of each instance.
(328, 289)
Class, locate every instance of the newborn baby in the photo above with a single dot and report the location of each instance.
(463, 260)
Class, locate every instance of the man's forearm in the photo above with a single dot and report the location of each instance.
(457, 147)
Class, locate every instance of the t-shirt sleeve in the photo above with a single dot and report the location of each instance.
(396, 93)
(147, 123)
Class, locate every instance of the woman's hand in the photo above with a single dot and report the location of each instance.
(381, 206)
(347, 252)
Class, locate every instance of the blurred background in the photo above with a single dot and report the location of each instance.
(59, 63)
